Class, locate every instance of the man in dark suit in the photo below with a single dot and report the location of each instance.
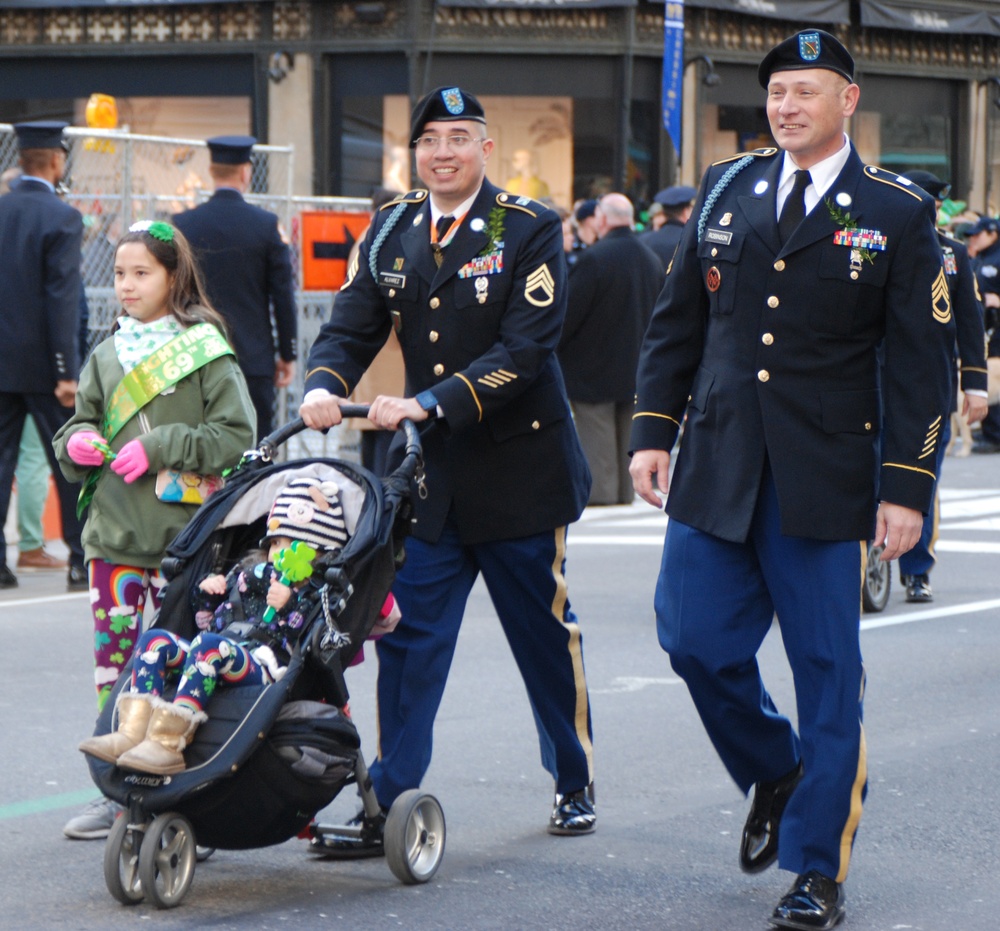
(40, 242)
(983, 241)
(612, 289)
(473, 281)
(797, 267)
(970, 353)
(677, 203)
(247, 269)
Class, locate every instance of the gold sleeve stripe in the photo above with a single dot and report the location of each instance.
(475, 397)
(638, 414)
(323, 368)
(490, 381)
(899, 465)
(510, 375)
(972, 368)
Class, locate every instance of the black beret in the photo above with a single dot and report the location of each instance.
(586, 210)
(811, 48)
(931, 183)
(44, 134)
(444, 103)
(231, 150)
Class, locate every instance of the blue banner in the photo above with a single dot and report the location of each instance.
(673, 70)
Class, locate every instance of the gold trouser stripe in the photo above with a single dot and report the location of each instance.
(576, 654)
(854, 816)
(475, 397)
(323, 368)
(899, 465)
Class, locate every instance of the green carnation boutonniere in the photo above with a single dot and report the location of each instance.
(494, 230)
(843, 219)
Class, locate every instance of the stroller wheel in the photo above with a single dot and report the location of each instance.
(167, 860)
(414, 837)
(121, 861)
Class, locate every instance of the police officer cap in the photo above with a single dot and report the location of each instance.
(811, 48)
(585, 210)
(444, 103)
(44, 134)
(231, 150)
(984, 225)
(676, 196)
(931, 183)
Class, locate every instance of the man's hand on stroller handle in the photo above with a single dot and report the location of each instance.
(320, 409)
(387, 412)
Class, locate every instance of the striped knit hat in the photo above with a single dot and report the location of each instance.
(309, 510)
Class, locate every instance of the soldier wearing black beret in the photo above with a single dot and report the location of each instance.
(40, 240)
(473, 281)
(799, 264)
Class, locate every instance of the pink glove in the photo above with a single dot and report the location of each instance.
(132, 462)
(81, 451)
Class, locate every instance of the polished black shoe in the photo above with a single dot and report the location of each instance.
(759, 845)
(814, 903)
(76, 579)
(7, 578)
(573, 813)
(368, 843)
(984, 446)
(918, 589)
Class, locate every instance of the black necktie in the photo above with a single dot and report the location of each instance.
(794, 211)
(443, 225)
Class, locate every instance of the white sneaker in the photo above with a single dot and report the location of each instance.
(95, 821)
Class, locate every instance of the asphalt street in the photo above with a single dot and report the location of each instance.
(665, 852)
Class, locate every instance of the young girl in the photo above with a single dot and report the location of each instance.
(250, 620)
(163, 392)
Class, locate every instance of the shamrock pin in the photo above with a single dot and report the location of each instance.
(295, 565)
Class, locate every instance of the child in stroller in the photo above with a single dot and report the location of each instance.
(249, 621)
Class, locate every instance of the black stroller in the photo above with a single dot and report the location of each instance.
(284, 750)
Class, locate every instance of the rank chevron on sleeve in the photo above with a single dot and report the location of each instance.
(540, 280)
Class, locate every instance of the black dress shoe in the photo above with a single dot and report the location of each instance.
(984, 446)
(7, 578)
(76, 579)
(573, 813)
(759, 845)
(814, 903)
(918, 589)
(350, 846)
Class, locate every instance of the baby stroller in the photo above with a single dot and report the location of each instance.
(283, 750)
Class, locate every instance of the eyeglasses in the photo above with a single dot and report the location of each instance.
(455, 143)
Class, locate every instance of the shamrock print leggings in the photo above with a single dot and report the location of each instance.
(119, 596)
(202, 664)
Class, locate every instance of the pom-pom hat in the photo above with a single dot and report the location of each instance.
(309, 510)
(444, 103)
(810, 48)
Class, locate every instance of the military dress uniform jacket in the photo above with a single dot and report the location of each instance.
(770, 351)
(480, 333)
(664, 240)
(612, 289)
(40, 249)
(968, 310)
(246, 266)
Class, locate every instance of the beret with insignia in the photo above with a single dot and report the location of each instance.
(444, 103)
(811, 48)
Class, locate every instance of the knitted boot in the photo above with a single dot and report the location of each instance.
(170, 730)
(133, 710)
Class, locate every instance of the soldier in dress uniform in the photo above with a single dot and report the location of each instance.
(247, 268)
(983, 241)
(40, 247)
(798, 263)
(473, 281)
(969, 350)
(677, 203)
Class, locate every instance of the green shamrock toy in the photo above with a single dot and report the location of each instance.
(295, 565)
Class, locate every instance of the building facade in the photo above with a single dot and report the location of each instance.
(572, 87)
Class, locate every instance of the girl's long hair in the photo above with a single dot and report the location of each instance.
(187, 299)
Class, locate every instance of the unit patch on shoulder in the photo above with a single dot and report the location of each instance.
(540, 287)
(940, 298)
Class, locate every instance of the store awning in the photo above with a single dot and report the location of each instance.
(536, 4)
(803, 11)
(969, 19)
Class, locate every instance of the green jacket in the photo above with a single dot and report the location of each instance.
(203, 425)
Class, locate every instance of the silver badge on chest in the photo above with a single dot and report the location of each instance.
(482, 288)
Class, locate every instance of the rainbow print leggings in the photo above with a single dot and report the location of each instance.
(119, 597)
(208, 660)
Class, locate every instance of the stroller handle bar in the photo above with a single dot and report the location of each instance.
(412, 461)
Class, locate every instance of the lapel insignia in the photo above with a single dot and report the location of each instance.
(477, 225)
(482, 289)
(941, 298)
(397, 265)
(844, 199)
(760, 187)
(540, 288)
(727, 218)
(418, 219)
(713, 280)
